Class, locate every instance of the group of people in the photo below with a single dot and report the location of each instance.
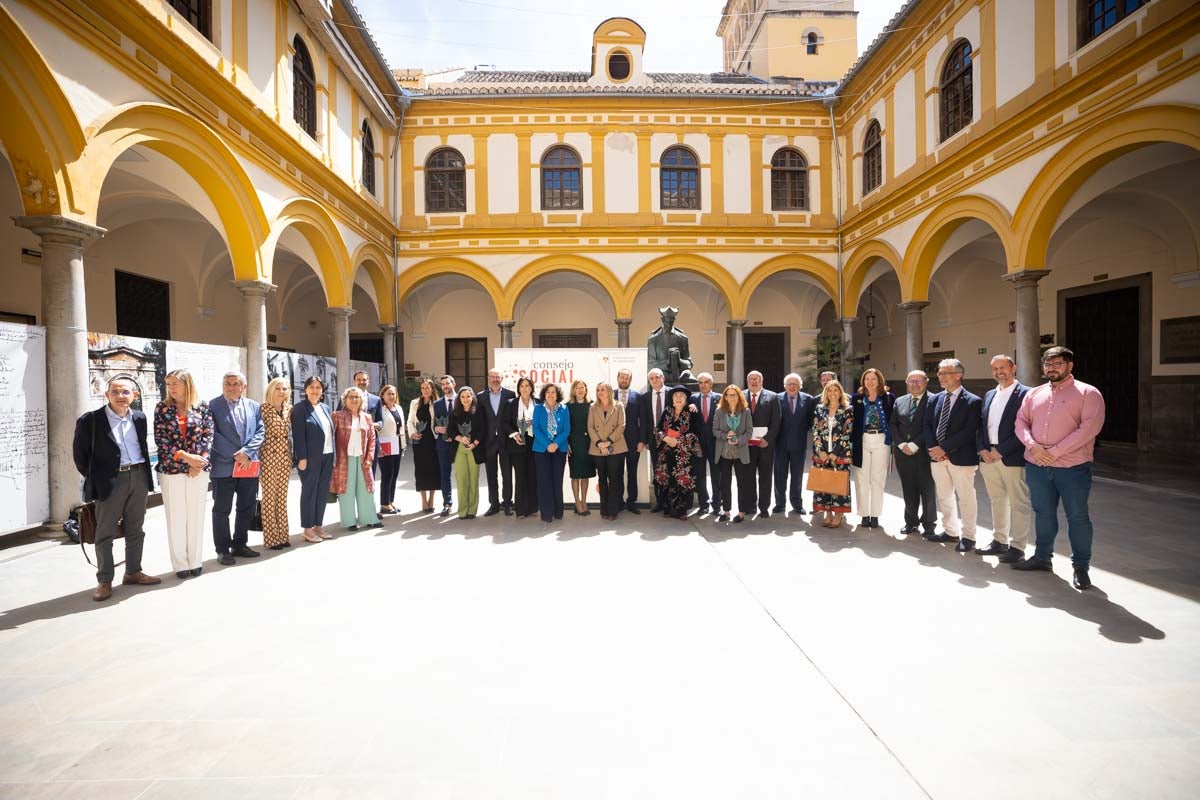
(246, 451)
(1033, 446)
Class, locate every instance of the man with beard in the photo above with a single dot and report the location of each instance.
(632, 400)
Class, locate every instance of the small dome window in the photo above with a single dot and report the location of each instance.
(618, 66)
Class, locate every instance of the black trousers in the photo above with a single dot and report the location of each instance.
(701, 471)
(789, 464)
(445, 466)
(525, 476)
(609, 470)
(224, 490)
(728, 467)
(389, 470)
(920, 493)
(505, 495)
(633, 460)
(762, 464)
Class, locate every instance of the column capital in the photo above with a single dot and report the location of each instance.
(738, 323)
(57, 228)
(389, 328)
(342, 312)
(848, 320)
(1026, 277)
(623, 322)
(506, 324)
(254, 288)
(914, 306)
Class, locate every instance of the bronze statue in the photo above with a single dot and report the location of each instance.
(667, 349)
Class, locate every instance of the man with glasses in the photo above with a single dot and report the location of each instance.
(950, 430)
(907, 425)
(1058, 423)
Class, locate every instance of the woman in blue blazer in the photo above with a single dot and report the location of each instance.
(871, 443)
(551, 425)
(312, 450)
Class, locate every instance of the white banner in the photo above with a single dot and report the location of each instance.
(546, 365)
(24, 472)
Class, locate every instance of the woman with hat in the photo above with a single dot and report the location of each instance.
(677, 445)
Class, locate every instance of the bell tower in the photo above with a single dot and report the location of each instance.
(812, 39)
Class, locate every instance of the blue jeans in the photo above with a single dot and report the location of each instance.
(1047, 485)
(445, 465)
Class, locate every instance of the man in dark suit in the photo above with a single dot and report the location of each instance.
(950, 431)
(703, 405)
(907, 425)
(111, 454)
(362, 380)
(796, 410)
(653, 403)
(491, 401)
(764, 413)
(632, 400)
(441, 410)
(237, 434)
(1002, 463)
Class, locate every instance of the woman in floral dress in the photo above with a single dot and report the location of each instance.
(677, 444)
(832, 425)
(276, 457)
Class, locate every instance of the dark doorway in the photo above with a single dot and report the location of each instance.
(143, 306)
(566, 339)
(466, 360)
(366, 347)
(766, 351)
(1102, 328)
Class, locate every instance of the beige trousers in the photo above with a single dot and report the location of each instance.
(184, 501)
(955, 492)
(1009, 494)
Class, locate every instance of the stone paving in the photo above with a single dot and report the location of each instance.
(493, 659)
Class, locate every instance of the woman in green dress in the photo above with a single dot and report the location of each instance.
(579, 463)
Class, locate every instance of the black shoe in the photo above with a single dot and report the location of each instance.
(965, 546)
(445, 511)
(656, 509)
(492, 511)
(723, 517)
(779, 508)
(993, 549)
(196, 572)
(225, 559)
(1081, 581)
(1033, 563)
(375, 525)
(508, 512)
(633, 510)
(558, 516)
(245, 552)
(1012, 555)
(352, 528)
(908, 530)
(799, 510)
(740, 518)
(469, 516)
(764, 514)
(182, 575)
(276, 547)
(941, 538)
(702, 508)
(286, 544)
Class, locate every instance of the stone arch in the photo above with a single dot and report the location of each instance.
(38, 127)
(372, 257)
(194, 146)
(854, 274)
(825, 275)
(535, 269)
(936, 229)
(417, 274)
(688, 262)
(313, 222)
(1048, 194)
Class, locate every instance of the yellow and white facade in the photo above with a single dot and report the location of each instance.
(138, 141)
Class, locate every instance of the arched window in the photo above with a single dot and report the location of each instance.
(680, 179)
(445, 181)
(957, 108)
(304, 89)
(872, 158)
(368, 158)
(789, 181)
(811, 39)
(198, 13)
(1097, 16)
(561, 179)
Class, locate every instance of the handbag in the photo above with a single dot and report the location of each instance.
(256, 517)
(829, 481)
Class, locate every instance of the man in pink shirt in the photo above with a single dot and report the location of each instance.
(1058, 424)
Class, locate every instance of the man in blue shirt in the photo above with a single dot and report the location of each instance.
(237, 435)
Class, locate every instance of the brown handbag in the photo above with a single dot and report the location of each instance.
(85, 513)
(829, 481)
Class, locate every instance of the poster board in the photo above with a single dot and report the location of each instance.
(208, 364)
(24, 464)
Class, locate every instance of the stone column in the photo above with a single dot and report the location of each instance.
(735, 367)
(623, 324)
(389, 355)
(847, 349)
(1029, 332)
(254, 333)
(341, 344)
(64, 313)
(914, 345)
(506, 328)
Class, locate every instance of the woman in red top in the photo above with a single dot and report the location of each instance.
(183, 434)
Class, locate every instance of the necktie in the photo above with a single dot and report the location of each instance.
(912, 409)
(657, 407)
(753, 402)
(704, 407)
(793, 405)
(944, 418)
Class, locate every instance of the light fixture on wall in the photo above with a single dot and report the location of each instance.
(870, 314)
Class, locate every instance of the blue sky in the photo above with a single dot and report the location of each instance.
(557, 34)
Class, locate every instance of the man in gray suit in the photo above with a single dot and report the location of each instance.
(237, 435)
(907, 425)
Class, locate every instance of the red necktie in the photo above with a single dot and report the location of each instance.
(704, 407)
(657, 407)
(753, 402)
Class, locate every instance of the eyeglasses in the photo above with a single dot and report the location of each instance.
(1057, 362)
(942, 372)
(914, 381)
